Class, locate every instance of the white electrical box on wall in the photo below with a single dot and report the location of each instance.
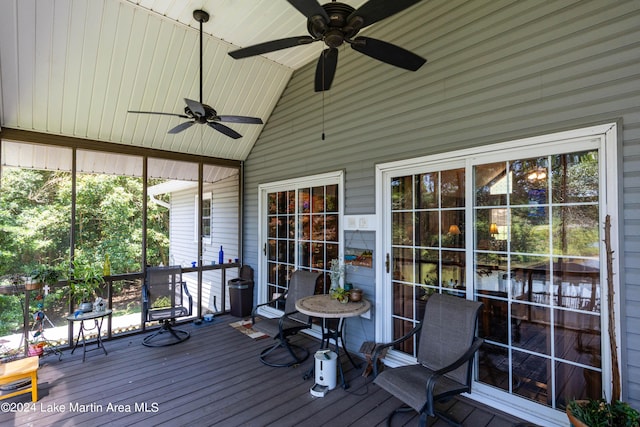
(360, 222)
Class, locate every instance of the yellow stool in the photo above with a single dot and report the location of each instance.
(20, 370)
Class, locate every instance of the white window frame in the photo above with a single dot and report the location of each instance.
(604, 137)
(206, 239)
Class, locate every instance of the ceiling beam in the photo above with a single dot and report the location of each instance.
(31, 137)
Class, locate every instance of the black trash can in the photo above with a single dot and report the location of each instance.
(241, 293)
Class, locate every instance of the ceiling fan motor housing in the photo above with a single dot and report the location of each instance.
(335, 24)
(337, 30)
(210, 114)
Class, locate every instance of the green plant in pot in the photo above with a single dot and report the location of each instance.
(341, 294)
(45, 275)
(87, 280)
(600, 413)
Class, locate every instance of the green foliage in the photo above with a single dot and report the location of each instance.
(86, 280)
(35, 213)
(161, 302)
(10, 314)
(46, 274)
(340, 294)
(600, 413)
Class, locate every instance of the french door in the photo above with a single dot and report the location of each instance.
(300, 229)
(518, 227)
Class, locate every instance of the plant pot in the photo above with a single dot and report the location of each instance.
(85, 307)
(356, 295)
(573, 420)
(35, 349)
(33, 286)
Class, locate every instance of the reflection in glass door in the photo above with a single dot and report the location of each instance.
(535, 257)
(427, 253)
(537, 271)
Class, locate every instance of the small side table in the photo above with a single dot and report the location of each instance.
(98, 318)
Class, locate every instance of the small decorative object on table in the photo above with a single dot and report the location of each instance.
(340, 294)
(99, 305)
(355, 295)
(336, 273)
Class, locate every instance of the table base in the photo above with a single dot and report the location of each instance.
(97, 326)
(335, 334)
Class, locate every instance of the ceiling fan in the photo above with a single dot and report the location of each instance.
(201, 113)
(336, 23)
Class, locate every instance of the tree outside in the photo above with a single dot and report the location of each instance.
(35, 218)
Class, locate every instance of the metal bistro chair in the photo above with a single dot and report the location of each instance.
(446, 346)
(165, 297)
(301, 284)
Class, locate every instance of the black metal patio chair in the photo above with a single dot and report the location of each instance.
(165, 297)
(447, 342)
(301, 284)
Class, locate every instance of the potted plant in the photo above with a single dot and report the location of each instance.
(86, 280)
(36, 348)
(43, 275)
(341, 294)
(600, 412)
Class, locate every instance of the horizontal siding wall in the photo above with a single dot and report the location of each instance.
(497, 70)
(184, 247)
(362, 328)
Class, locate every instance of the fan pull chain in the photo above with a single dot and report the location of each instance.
(323, 69)
(323, 113)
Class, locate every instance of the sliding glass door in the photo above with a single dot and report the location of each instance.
(519, 229)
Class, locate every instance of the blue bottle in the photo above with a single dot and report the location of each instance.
(221, 256)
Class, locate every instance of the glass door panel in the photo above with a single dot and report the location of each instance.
(537, 272)
(427, 235)
(302, 232)
(280, 239)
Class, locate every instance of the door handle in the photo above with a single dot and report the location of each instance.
(387, 262)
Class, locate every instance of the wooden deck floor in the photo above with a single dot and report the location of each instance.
(214, 378)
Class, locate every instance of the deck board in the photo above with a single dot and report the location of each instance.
(214, 378)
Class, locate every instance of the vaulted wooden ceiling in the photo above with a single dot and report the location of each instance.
(74, 67)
